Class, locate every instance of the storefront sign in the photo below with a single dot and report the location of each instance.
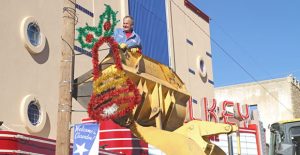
(227, 112)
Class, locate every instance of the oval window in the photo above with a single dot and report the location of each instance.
(34, 113)
(33, 38)
(33, 32)
(201, 67)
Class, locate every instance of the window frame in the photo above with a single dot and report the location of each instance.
(33, 49)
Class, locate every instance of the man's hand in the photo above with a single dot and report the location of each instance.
(134, 50)
(123, 46)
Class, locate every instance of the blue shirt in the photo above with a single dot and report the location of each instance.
(133, 41)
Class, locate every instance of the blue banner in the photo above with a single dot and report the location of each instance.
(86, 139)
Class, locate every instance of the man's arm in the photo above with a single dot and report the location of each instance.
(115, 35)
(119, 36)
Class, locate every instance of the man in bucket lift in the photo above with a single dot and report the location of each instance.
(129, 41)
(126, 37)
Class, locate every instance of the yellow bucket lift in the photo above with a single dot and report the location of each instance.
(160, 119)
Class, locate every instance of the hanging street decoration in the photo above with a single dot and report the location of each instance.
(114, 94)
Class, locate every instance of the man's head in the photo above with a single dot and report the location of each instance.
(128, 23)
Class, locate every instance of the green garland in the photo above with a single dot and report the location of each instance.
(109, 15)
(89, 35)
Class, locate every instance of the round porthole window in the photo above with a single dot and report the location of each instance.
(201, 67)
(33, 32)
(33, 38)
(32, 114)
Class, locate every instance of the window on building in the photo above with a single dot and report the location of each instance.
(202, 66)
(253, 107)
(34, 113)
(33, 32)
(32, 35)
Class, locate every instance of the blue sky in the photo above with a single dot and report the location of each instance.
(262, 36)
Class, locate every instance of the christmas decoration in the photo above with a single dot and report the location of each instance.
(114, 94)
(89, 35)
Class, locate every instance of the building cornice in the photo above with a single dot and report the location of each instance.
(288, 79)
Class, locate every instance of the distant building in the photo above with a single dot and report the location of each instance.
(276, 99)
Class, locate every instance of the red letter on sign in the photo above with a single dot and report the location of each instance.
(210, 111)
(225, 113)
(240, 115)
